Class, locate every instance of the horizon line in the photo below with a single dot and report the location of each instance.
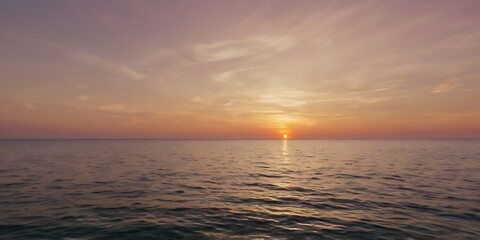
(180, 139)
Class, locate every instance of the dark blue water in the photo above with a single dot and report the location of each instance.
(295, 189)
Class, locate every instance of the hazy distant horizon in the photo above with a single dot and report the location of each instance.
(276, 139)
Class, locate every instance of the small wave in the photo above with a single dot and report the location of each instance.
(343, 175)
(279, 188)
(260, 175)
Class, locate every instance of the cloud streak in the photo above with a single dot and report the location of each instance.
(259, 47)
(447, 86)
(250, 69)
(95, 60)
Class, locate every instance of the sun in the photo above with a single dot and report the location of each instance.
(285, 136)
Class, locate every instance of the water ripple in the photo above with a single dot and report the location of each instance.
(325, 189)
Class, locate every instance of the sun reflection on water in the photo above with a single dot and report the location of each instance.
(285, 153)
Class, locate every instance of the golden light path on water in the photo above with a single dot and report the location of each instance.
(285, 150)
(257, 189)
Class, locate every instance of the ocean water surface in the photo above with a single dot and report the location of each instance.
(232, 189)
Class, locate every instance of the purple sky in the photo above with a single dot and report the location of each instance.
(239, 69)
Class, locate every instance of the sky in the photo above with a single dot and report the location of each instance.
(239, 69)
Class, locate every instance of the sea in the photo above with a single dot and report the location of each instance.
(240, 189)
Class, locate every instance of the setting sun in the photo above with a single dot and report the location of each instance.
(285, 136)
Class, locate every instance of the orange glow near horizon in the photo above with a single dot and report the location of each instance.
(242, 69)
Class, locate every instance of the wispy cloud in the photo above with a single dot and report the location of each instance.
(83, 98)
(258, 46)
(18, 106)
(229, 75)
(269, 65)
(446, 86)
(118, 108)
(98, 61)
(283, 97)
